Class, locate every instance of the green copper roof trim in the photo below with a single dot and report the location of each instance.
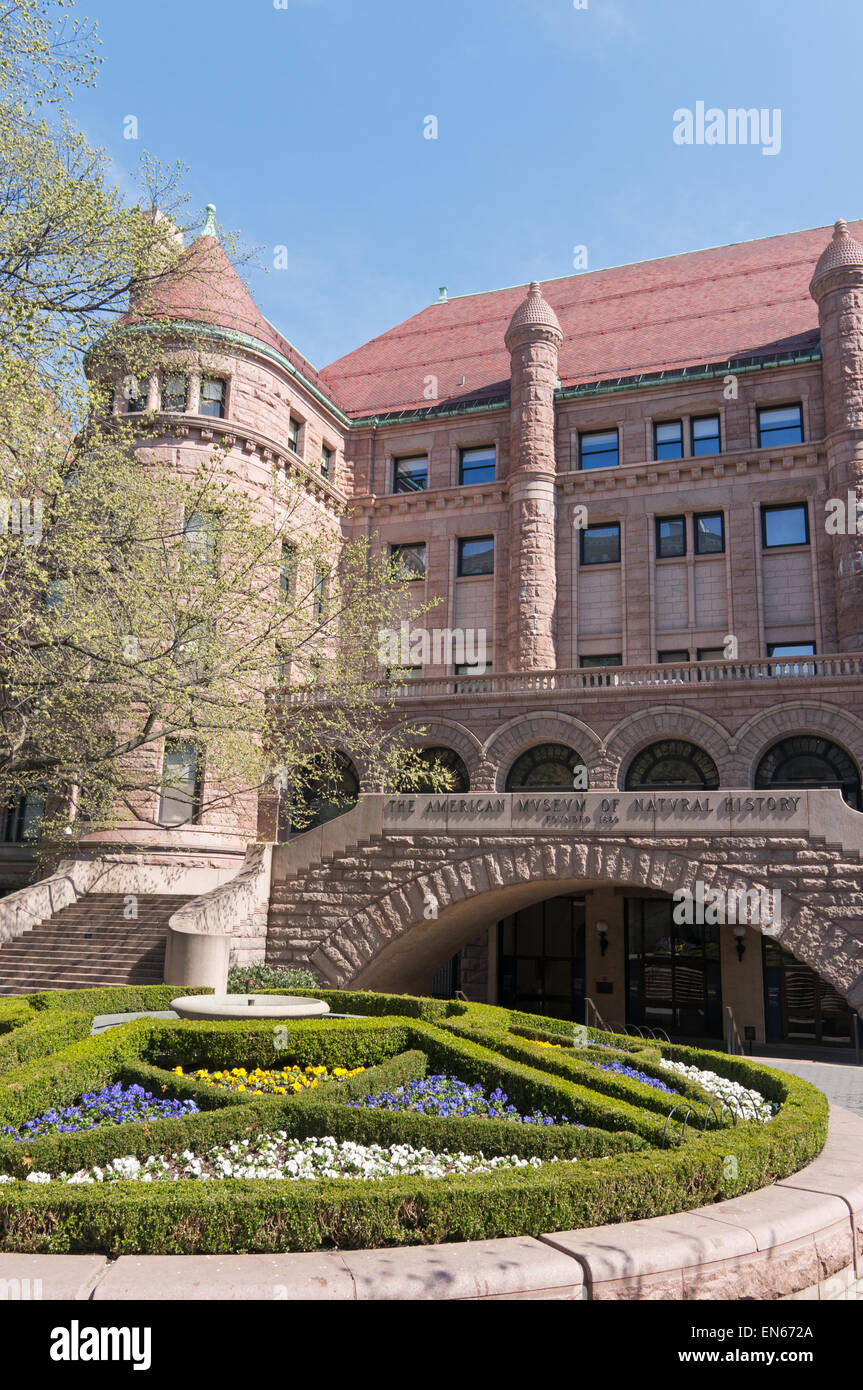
(598, 388)
(231, 335)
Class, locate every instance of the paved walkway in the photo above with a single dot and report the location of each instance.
(841, 1084)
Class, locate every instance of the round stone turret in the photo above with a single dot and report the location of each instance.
(837, 288)
(533, 341)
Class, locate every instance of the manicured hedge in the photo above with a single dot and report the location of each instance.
(614, 1169)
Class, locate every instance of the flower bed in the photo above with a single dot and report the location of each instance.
(277, 1157)
(746, 1101)
(114, 1105)
(623, 1069)
(265, 1081)
(448, 1097)
(519, 1139)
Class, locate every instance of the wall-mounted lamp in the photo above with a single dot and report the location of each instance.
(602, 933)
(740, 941)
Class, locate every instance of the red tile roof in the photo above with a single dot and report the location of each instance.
(207, 289)
(706, 306)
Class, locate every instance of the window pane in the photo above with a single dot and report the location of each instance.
(670, 536)
(476, 556)
(412, 557)
(712, 654)
(181, 784)
(709, 533)
(600, 545)
(327, 459)
(199, 536)
(213, 398)
(174, 393)
(791, 649)
(780, 425)
(478, 465)
(593, 663)
(411, 475)
(785, 525)
(668, 440)
(294, 434)
(705, 435)
(287, 569)
(599, 450)
(673, 658)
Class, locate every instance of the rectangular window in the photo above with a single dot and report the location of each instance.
(174, 391)
(481, 669)
(213, 392)
(668, 440)
(712, 654)
(476, 466)
(287, 570)
(783, 649)
(785, 525)
(328, 458)
(675, 658)
(320, 591)
(593, 663)
(412, 558)
(600, 545)
(181, 784)
(135, 395)
(599, 449)
(200, 540)
(709, 533)
(670, 537)
(294, 434)
(411, 475)
(778, 425)
(476, 556)
(704, 435)
(23, 818)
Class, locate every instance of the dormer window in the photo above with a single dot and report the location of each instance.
(174, 394)
(213, 393)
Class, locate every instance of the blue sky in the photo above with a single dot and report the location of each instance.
(305, 125)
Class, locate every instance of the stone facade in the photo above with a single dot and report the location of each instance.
(688, 637)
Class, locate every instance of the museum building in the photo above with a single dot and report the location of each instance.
(634, 494)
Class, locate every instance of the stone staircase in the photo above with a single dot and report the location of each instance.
(92, 943)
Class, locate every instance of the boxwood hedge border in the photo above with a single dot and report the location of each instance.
(610, 1171)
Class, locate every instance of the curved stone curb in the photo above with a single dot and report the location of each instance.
(802, 1238)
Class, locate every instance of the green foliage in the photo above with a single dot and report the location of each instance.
(246, 979)
(614, 1169)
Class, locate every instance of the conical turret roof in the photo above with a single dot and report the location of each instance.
(842, 251)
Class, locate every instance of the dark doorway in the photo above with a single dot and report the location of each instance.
(541, 959)
(800, 1007)
(673, 978)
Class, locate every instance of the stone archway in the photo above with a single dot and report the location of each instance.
(637, 731)
(759, 734)
(519, 734)
(393, 939)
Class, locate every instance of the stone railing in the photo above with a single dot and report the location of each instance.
(839, 666)
(230, 918)
(23, 910)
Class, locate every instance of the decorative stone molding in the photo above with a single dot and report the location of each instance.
(639, 730)
(448, 733)
(789, 720)
(527, 730)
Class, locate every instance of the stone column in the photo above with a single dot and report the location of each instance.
(533, 341)
(837, 288)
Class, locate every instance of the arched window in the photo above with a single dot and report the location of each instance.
(446, 761)
(808, 761)
(325, 796)
(671, 764)
(181, 783)
(549, 767)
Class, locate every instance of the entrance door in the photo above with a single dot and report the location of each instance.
(673, 976)
(541, 954)
(799, 1006)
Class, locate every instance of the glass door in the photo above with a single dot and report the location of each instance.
(800, 1007)
(541, 955)
(673, 979)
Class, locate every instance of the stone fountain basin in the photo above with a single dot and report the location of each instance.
(228, 1006)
